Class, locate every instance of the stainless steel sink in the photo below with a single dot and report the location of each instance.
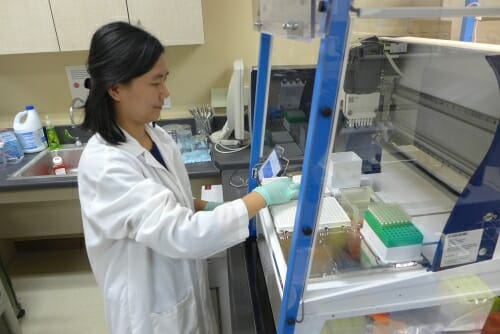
(41, 165)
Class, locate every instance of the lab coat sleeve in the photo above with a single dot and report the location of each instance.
(126, 204)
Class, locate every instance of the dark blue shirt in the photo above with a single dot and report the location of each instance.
(156, 153)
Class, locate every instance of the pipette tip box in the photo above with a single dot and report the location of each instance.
(391, 235)
(332, 215)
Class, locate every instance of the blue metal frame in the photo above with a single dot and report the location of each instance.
(328, 73)
(478, 207)
(260, 107)
(468, 22)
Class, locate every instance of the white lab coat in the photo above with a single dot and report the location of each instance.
(145, 243)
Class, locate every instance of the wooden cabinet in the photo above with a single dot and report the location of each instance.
(77, 20)
(26, 26)
(29, 26)
(174, 22)
(40, 213)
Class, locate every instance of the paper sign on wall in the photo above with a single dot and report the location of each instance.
(76, 79)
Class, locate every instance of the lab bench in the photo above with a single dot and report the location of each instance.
(49, 199)
(195, 171)
(45, 198)
(54, 201)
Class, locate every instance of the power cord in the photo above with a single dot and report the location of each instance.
(242, 182)
(226, 149)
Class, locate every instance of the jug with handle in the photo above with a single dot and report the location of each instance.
(29, 131)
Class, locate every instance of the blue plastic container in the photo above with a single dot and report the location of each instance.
(12, 148)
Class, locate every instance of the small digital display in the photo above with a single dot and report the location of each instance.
(272, 167)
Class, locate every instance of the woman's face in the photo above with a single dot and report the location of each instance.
(140, 101)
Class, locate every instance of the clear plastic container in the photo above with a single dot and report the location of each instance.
(184, 138)
(12, 148)
(344, 171)
(200, 151)
(355, 202)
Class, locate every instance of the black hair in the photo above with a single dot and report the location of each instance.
(119, 52)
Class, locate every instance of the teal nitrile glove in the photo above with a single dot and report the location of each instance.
(211, 205)
(279, 191)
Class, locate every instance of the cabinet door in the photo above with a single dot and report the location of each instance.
(77, 20)
(173, 22)
(26, 26)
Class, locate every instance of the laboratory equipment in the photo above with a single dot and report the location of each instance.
(295, 19)
(200, 151)
(235, 111)
(345, 171)
(274, 165)
(184, 138)
(288, 102)
(203, 119)
(391, 235)
(427, 147)
(432, 141)
(194, 148)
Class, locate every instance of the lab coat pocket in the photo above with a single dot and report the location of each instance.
(181, 319)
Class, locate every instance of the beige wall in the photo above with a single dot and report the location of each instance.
(40, 79)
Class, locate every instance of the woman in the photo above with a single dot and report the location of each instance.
(146, 237)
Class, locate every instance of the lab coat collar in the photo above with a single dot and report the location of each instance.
(132, 146)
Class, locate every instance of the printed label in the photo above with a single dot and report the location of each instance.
(31, 140)
(60, 171)
(461, 247)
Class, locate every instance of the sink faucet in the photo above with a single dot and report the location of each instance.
(73, 106)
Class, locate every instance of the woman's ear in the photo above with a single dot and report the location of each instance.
(114, 92)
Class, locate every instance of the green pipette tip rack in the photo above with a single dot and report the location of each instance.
(392, 225)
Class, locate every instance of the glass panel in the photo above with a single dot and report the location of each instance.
(416, 120)
(296, 19)
(464, 315)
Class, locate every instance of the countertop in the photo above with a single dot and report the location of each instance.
(220, 162)
(195, 170)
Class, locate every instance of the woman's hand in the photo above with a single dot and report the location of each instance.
(280, 191)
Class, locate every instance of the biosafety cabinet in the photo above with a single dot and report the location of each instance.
(397, 221)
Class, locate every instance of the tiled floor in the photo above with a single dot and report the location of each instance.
(58, 292)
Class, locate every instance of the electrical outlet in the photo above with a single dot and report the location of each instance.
(167, 103)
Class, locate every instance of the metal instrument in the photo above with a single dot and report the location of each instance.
(203, 116)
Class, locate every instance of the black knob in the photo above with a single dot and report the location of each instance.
(322, 6)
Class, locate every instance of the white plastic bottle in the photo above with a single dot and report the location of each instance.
(29, 131)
